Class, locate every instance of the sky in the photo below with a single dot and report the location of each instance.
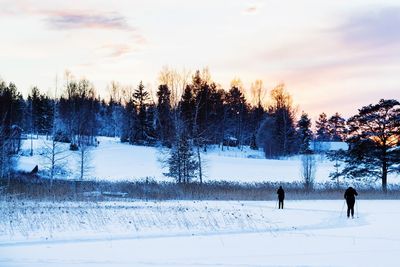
(333, 56)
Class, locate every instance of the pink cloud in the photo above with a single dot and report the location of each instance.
(68, 20)
(116, 50)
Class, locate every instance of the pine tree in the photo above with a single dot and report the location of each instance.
(40, 112)
(129, 118)
(11, 112)
(216, 115)
(236, 114)
(182, 162)
(374, 143)
(164, 117)
(186, 106)
(304, 133)
(78, 111)
(256, 115)
(337, 128)
(321, 125)
(141, 127)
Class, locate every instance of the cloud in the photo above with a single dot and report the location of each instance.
(251, 10)
(58, 18)
(116, 50)
(371, 27)
(80, 20)
(77, 20)
(364, 44)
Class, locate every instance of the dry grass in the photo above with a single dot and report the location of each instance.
(28, 187)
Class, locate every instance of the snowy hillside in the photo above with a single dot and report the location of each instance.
(112, 160)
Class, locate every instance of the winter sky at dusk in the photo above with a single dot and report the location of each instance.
(332, 55)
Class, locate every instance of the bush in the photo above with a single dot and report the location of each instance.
(73, 147)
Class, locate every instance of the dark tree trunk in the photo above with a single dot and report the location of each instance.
(384, 176)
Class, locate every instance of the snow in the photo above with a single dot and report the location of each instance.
(198, 233)
(114, 161)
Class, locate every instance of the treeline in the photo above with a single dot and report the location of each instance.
(204, 111)
(186, 114)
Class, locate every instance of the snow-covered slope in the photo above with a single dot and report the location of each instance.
(112, 160)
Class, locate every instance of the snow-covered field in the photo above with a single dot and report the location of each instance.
(198, 233)
(112, 160)
(193, 233)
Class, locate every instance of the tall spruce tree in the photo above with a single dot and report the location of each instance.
(216, 114)
(337, 128)
(40, 112)
(321, 127)
(129, 118)
(304, 133)
(187, 109)
(182, 162)
(165, 128)
(141, 127)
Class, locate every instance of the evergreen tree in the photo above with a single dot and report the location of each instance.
(151, 122)
(11, 112)
(187, 106)
(256, 116)
(321, 125)
(216, 115)
(236, 114)
(78, 111)
(129, 118)
(203, 93)
(141, 127)
(374, 143)
(304, 133)
(277, 133)
(164, 126)
(182, 161)
(40, 112)
(11, 105)
(337, 128)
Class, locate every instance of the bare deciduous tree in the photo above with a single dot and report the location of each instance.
(55, 152)
(257, 93)
(84, 160)
(176, 82)
(308, 169)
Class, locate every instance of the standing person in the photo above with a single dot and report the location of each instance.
(281, 196)
(350, 196)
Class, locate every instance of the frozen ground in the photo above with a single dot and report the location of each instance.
(112, 160)
(198, 233)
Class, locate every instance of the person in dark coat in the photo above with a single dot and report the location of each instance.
(350, 196)
(281, 196)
